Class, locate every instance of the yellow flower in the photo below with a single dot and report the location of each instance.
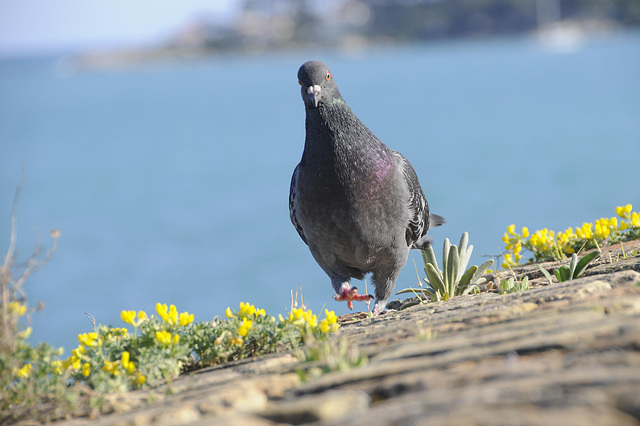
(228, 313)
(237, 341)
(508, 261)
(66, 364)
(244, 327)
(128, 317)
(512, 229)
(173, 315)
(296, 316)
(111, 367)
(175, 339)
(88, 339)
(246, 310)
(75, 362)
(128, 365)
(163, 337)
(602, 228)
(168, 315)
(331, 316)
(525, 232)
(141, 379)
(86, 369)
(185, 318)
(162, 310)
(635, 219)
(79, 351)
(17, 308)
(586, 231)
(25, 333)
(58, 367)
(25, 371)
(330, 323)
(624, 211)
(310, 319)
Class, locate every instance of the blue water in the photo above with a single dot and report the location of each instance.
(170, 182)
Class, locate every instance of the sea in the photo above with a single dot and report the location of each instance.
(169, 181)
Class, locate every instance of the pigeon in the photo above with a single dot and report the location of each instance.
(355, 202)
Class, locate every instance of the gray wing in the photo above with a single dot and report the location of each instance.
(418, 207)
(292, 210)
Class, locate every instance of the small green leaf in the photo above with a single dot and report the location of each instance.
(558, 275)
(465, 279)
(429, 256)
(434, 277)
(452, 271)
(446, 245)
(562, 273)
(572, 266)
(464, 253)
(409, 290)
(586, 259)
(481, 270)
(546, 274)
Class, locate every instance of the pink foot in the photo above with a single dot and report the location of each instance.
(350, 295)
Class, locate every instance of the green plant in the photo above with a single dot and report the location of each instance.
(575, 268)
(37, 386)
(511, 285)
(29, 384)
(111, 359)
(546, 244)
(454, 278)
(322, 356)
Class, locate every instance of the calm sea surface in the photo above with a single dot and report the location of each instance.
(170, 182)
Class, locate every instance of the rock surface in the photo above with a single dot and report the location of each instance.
(565, 353)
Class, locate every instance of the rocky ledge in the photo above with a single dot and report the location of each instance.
(565, 354)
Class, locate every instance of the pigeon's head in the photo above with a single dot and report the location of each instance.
(317, 85)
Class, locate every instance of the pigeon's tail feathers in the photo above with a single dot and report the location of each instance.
(435, 220)
(425, 241)
(419, 208)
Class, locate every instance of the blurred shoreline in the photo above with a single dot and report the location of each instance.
(354, 25)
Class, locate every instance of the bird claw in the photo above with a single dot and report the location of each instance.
(351, 295)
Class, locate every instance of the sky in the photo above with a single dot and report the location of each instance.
(49, 26)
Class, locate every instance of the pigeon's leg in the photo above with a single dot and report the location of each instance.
(347, 293)
(379, 307)
(384, 289)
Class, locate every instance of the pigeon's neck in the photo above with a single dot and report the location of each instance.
(338, 142)
(335, 128)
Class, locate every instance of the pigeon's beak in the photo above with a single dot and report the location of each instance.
(312, 96)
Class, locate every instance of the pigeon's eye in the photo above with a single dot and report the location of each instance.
(328, 77)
